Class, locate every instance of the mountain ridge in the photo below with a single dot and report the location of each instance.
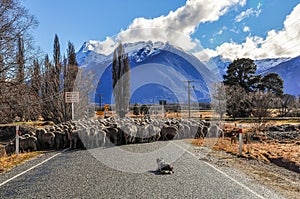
(147, 52)
(160, 68)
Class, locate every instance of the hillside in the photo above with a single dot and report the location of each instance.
(158, 71)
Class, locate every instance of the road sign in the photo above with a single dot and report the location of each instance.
(100, 113)
(71, 97)
(106, 107)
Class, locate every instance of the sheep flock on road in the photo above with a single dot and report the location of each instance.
(113, 131)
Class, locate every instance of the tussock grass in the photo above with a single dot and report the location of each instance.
(289, 151)
(8, 162)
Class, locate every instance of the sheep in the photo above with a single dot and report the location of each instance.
(101, 137)
(142, 133)
(154, 133)
(115, 135)
(169, 133)
(28, 143)
(10, 148)
(45, 139)
(214, 131)
(73, 137)
(183, 130)
(93, 138)
(130, 131)
(60, 139)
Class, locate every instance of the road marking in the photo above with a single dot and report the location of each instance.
(22, 173)
(215, 168)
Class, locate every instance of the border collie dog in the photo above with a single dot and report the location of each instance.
(163, 167)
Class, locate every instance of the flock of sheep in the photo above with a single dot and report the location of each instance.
(88, 134)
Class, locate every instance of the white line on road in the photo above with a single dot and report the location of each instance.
(212, 166)
(22, 173)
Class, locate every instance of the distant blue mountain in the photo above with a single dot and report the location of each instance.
(287, 68)
(159, 71)
(289, 71)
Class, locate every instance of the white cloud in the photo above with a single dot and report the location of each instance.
(249, 12)
(205, 54)
(246, 29)
(177, 26)
(283, 43)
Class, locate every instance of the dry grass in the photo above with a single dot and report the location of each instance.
(8, 162)
(288, 151)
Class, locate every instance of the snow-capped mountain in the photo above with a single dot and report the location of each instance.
(287, 68)
(88, 54)
(266, 64)
(159, 71)
(289, 71)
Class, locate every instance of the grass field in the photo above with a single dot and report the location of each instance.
(8, 162)
(283, 153)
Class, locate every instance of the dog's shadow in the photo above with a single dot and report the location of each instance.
(157, 172)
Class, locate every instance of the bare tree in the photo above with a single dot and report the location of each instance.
(287, 103)
(238, 102)
(15, 22)
(218, 102)
(15, 47)
(262, 103)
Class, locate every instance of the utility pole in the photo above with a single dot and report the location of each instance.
(100, 99)
(189, 95)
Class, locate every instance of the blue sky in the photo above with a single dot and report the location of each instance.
(230, 28)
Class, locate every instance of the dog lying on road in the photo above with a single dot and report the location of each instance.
(163, 167)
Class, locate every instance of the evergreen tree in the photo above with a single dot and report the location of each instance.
(144, 109)
(57, 64)
(121, 80)
(272, 83)
(136, 109)
(242, 72)
(36, 78)
(72, 66)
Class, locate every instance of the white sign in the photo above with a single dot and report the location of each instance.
(71, 97)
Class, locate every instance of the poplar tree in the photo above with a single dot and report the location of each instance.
(20, 61)
(121, 80)
(70, 73)
(36, 78)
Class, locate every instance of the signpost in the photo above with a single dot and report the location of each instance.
(106, 108)
(72, 97)
(240, 139)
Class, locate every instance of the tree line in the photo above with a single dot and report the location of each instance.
(31, 85)
(243, 93)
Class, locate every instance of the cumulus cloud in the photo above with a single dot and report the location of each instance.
(177, 26)
(249, 12)
(246, 29)
(283, 43)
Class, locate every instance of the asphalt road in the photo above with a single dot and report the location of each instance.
(128, 172)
